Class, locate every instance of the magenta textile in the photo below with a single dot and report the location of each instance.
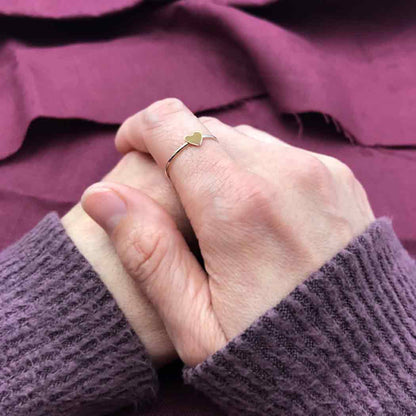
(334, 77)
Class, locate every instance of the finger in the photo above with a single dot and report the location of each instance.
(331, 162)
(160, 130)
(140, 171)
(263, 154)
(258, 154)
(155, 254)
(259, 134)
(234, 142)
(237, 141)
(131, 168)
(340, 171)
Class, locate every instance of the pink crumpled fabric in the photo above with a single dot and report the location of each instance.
(334, 77)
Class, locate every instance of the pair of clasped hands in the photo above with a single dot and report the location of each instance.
(264, 215)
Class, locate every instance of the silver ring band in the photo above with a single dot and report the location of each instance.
(195, 140)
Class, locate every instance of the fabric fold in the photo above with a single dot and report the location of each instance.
(353, 66)
(59, 9)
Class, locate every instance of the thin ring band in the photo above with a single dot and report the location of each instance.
(195, 140)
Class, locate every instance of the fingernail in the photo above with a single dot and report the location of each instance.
(104, 206)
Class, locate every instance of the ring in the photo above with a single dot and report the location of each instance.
(195, 140)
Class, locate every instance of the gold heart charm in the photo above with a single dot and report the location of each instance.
(195, 139)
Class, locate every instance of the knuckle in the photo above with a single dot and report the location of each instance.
(126, 127)
(244, 128)
(343, 171)
(360, 190)
(343, 230)
(311, 172)
(142, 252)
(162, 109)
(209, 121)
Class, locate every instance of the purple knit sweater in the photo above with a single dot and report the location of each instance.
(342, 343)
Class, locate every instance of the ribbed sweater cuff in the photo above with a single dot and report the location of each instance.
(342, 343)
(65, 346)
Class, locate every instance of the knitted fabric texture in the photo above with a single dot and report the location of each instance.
(66, 348)
(342, 343)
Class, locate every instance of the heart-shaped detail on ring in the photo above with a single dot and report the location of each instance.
(195, 139)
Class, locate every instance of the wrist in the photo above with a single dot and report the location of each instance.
(95, 246)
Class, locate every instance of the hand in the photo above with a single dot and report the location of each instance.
(137, 170)
(266, 216)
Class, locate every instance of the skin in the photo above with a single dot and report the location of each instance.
(265, 214)
(139, 171)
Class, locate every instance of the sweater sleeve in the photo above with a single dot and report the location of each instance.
(65, 346)
(342, 343)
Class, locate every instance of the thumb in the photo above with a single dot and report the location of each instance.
(155, 254)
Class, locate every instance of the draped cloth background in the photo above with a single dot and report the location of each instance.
(330, 76)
